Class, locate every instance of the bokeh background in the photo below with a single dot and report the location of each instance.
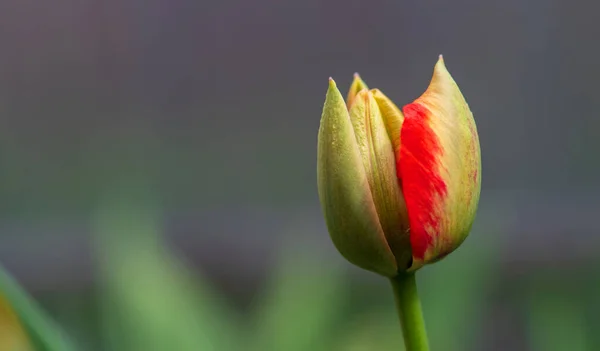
(158, 170)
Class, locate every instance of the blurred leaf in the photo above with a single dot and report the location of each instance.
(453, 294)
(377, 330)
(556, 321)
(12, 333)
(20, 315)
(301, 304)
(151, 301)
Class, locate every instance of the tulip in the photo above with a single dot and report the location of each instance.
(399, 189)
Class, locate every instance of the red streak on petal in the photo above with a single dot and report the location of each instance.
(418, 169)
(474, 173)
(469, 189)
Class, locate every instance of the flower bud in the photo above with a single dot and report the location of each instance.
(398, 190)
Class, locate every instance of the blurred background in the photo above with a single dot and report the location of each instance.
(158, 170)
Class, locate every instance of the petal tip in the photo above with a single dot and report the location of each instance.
(440, 64)
(357, 83)
(357, 86)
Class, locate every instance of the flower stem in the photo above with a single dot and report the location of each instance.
(408, 305)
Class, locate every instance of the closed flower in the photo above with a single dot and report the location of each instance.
(398, 189)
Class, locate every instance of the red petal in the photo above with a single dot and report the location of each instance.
(418, 169)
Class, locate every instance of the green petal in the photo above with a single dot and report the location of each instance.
(344, 191)
(379, 161)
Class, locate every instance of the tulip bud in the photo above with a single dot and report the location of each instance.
(398, 190)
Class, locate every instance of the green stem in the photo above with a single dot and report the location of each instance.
(408, 305)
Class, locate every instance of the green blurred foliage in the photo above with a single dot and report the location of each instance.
(300, 306)
(453, 294)
(43, 334)
(149, 299)
(556, 322)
